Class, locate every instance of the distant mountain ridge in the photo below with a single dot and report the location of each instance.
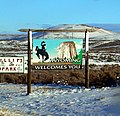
(111, 27)
(23, 36)
(104, 45)
(12, 36)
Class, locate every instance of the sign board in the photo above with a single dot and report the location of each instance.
(11, 64)
(59, 53)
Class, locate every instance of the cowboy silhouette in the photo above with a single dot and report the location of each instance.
(42, 52)
(43, 44)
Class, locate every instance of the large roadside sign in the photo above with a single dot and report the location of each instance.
(61, 53)
(12, 64)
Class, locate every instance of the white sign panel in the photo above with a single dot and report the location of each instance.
(11, 64)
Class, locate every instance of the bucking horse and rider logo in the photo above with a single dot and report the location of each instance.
(42, 52)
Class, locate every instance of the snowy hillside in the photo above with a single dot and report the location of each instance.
(98, 32)
(61, 100)
(11, 36)
(102, 41)
(58, 100)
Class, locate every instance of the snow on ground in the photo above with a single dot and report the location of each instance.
(58, 100)
(102, 63)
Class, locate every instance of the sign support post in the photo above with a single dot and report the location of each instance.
(87, 59)
(29, 62)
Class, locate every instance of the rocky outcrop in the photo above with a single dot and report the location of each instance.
(67, 50)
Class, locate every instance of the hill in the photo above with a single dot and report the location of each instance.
(104, 49)
(104, 44)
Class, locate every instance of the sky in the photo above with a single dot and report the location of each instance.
(17, 14)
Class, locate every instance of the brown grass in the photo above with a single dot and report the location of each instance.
(105, 76)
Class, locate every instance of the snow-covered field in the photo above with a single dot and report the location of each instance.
(51, 100)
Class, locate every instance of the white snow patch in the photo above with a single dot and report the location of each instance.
(58, 100)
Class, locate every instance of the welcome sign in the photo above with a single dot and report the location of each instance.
(57, 53)
(11, 64)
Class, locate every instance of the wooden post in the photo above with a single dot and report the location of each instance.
(81, 65)
(29, 63)
(87, 59)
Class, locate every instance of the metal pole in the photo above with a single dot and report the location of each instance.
(86, 59)
(29, 64)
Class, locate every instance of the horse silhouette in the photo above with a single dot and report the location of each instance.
(43, 53)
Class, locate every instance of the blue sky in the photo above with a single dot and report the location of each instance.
(16, 14)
